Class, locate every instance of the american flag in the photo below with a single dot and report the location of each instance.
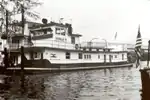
(138, 47)
(115, 36)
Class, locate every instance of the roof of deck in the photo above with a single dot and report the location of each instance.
(41, 49)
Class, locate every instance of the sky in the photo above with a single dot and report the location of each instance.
(101, 18)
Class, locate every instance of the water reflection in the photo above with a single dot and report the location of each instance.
(106, 84)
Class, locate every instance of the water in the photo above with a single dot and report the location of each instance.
(104, 84)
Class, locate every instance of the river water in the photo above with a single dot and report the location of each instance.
(104, 84)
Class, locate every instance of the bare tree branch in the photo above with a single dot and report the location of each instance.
(28, 6)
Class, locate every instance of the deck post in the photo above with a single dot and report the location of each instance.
(22, 69)
(6, 63)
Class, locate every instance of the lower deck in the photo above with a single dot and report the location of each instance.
(57, 56)
(60, 68)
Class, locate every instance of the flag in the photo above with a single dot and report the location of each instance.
(115, 36)
(138, 47)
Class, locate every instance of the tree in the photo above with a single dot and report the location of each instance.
(18, 6)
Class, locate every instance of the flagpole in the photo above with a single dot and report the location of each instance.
(115, 36)
(138, 47)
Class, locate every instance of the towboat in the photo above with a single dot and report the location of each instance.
(54, 47)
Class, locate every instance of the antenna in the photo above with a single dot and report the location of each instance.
(61, 20)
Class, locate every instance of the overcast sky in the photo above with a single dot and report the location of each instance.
(101, 18)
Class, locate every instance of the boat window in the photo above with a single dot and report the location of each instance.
(90, 49)
(84, 49)
(73, 40)
(89, 56)
(63, 31)
(26, 41)
(115, 56)
(112, 56)
(104, 50)
(57, 31)
(35, 55)
(45, 31)
(98, 56)
(80, 55)
(104, 58)
(67, 55)
(84, 56)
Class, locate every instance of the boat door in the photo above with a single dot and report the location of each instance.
(110, 58)
(104, 58)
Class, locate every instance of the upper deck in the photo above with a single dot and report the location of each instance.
(56, 35)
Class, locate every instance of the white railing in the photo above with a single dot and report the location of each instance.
(54, 44)
(65, 45)
(93, 44)
(51, 44)
(16, 45)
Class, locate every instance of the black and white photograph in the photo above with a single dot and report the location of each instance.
(74, 50)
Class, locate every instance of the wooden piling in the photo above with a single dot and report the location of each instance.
(145, 80)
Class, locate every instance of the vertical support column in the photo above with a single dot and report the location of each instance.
(22, 50)
(23, 20)
(6, 63)
(22, 68)
(42, 55)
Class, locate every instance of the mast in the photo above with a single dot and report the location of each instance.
(23, 19)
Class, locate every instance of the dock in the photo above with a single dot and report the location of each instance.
(145, 80)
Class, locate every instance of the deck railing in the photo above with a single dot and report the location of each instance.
(63, 45)
(54, 44)
(51, 44)
(93, 44)
(16, 45)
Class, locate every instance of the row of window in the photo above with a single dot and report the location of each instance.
(60, 39)
(90, 49)
(88, 56)
(60, 31)
(115, 56)
(80, 56)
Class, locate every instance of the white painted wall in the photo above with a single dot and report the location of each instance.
(61, 57)
(26, 29)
